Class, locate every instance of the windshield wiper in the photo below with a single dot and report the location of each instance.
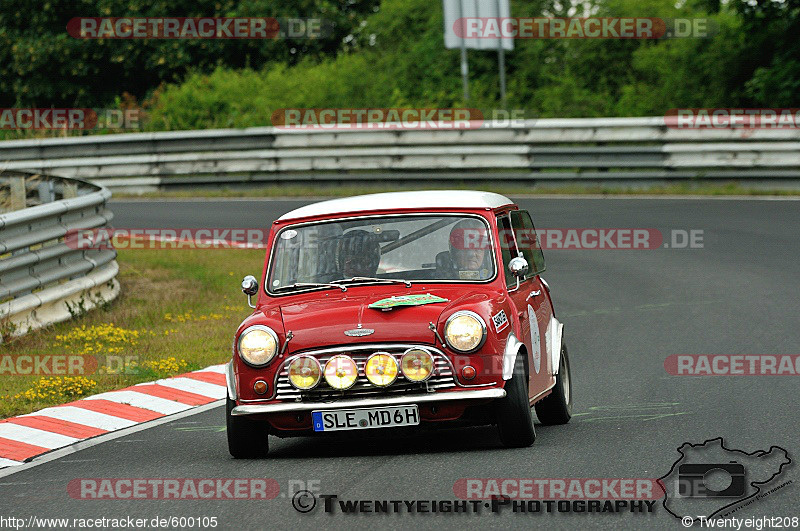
(371, 279)
(311, 285)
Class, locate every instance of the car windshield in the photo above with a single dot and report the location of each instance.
(382, 249)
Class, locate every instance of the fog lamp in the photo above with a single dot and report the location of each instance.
(417, 364)
(305, 373)
(381, 369)
(341, 372)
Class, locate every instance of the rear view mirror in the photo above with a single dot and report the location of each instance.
(389, 236)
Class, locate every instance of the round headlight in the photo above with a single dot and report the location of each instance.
(381, 369)
(341, 372)
(305, 372)
(417, 364)
(258, 345)
(465, 331)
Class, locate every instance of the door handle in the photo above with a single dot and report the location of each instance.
(533, 294)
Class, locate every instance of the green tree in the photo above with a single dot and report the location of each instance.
(43, 66)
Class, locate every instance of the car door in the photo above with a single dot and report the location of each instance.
(534, 303)
(518, 295)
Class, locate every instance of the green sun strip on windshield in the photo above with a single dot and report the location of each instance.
(406, 300)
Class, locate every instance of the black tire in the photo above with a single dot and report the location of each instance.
(557, 407)
(514, 419)
(247, 438)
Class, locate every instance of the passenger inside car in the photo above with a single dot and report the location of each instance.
(358, 254)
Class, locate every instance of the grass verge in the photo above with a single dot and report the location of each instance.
(177, 312)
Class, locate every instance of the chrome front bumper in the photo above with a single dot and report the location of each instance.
(286, 407)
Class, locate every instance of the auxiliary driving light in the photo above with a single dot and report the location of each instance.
(381, 369)
(305, 373)
(341, 372)
(417, 364)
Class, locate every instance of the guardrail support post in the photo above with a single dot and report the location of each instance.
(17, 195)
(46, 192)
(70, 190)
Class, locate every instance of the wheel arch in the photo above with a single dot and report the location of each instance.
(513, 347)
(556, 329)
(230, 380)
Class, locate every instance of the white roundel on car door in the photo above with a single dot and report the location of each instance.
(535, 344)
(548, 345)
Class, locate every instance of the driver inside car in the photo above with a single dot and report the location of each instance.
(358, 254)
(468, 242)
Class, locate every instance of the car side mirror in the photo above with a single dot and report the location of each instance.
(518, 267)
(250, 288)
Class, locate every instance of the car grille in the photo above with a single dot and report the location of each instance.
(442, 377)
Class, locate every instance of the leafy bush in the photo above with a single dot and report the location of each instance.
(394, 56)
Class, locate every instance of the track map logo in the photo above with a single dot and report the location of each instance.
(709, 479)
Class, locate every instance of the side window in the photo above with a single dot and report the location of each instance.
(525, 234)
(508, 247)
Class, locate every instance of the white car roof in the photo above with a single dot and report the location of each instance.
(465, 199)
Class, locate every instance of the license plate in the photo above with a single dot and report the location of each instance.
(365, 418)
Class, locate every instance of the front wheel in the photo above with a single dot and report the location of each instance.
(557, 408)
(514, 420)
(247, 438)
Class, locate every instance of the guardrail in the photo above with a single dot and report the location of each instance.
(596, 150)
(43, 279)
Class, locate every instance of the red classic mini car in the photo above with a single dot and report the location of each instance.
(398, 309)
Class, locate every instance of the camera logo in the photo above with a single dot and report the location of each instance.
(708, 478)
(696, 480)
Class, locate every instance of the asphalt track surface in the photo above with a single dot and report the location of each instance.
(624, 311)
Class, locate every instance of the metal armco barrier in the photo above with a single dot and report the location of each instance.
(556, 151)
(44, 280)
